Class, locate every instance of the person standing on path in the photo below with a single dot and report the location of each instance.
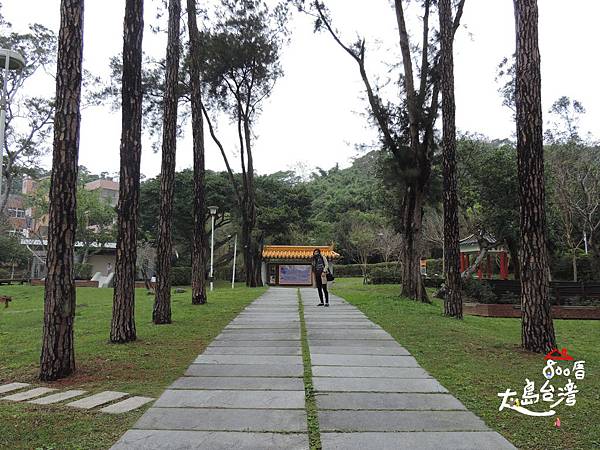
(320, 268)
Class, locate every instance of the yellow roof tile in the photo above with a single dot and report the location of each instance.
(297, 251)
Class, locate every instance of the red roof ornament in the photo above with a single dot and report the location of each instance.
(555, 355)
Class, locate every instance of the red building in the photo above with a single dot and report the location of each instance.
(497, 256)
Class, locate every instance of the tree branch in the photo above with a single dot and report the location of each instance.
(374, 100)
(223, 154)
(425, 55)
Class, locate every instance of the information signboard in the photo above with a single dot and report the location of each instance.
(295, 274)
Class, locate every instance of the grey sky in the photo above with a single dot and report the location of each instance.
(315, 114)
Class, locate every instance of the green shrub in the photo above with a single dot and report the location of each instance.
(479, 291)
(355, 270)
(348, 270)
(385, 275)
(83, 271)
(435, 268)
(181, 276)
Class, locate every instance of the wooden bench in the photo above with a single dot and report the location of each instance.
(558, 289)
(565, 289)
(8, 281)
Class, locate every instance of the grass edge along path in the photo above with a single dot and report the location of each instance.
(312, 418)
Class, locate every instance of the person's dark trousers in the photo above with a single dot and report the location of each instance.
(322, 288)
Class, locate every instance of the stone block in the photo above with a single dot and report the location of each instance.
(213, 440)
(59, 397)
(262, 420)
(97, 399)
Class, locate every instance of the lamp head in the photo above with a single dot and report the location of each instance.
(213, 210)
(15, 60)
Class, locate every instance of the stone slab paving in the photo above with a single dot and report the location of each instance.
(56, 398)
(279, 350)
(365, 344)
(250, 370)
(328, 384)
(409, 441)
(371, 394)
(242, 383)
(213, 440)
(363, 360)
(245, 391)
(369, 372)
(12, 387)
(27, 395)
(348, 350)
(205, 419)
(126, 405)
(254, 343)
(248, 359)
(385, 401)
(252, 400)
(97, 399)
(38, 396)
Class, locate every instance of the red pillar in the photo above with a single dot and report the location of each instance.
(489, 267)
(503, 268)
(480, 271)
(462, 262)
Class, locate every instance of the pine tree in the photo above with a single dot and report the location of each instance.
(162, 303)
(537, 329)
(58, 354)
(199, 244)
(452, 299)
(123, 318)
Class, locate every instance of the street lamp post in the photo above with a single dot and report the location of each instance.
(11, 61)
(213, 212)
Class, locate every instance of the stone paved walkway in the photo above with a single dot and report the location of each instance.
(39, 396)
(246, 390)
(372, 394)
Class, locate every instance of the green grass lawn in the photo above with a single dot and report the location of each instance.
(478, 357)
(146, 367)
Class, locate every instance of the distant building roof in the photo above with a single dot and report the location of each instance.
(470, 244)
(297, 251)
(472, 239)
(44, 242)
(102, 184)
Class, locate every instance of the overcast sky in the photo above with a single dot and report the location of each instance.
(315, 116)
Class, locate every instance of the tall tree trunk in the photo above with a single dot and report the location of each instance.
(537, 332)
(7, 189)
(57, 359)
(123, 317)
(412, 282)
(199, 244)
(252, 260)
(162, 303)
(248, 252)
(410, 249)
(452, 299)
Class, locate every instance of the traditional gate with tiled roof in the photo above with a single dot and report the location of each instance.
(289, 265)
